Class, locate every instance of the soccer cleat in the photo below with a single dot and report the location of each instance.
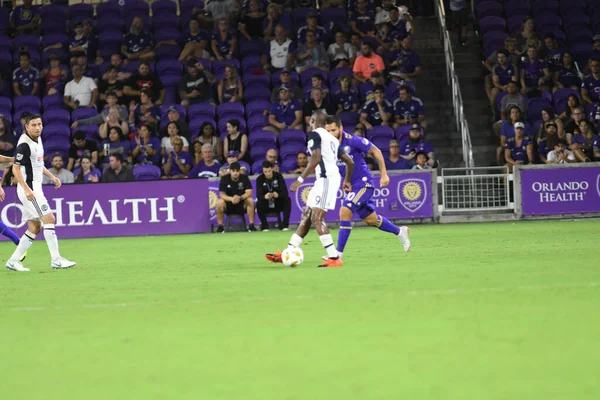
(332, 263)
(403, 236)
(62, 263)
(23, 257)
(325, 258)
(220, 229)
(275, 258)
(16, 266)
(251, 228)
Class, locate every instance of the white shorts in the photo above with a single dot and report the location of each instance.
(324, 193)
(34, 210)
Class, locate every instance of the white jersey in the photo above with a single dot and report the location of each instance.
(321, 139)
(30, 156)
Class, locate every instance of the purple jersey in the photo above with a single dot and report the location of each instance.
(26, 79)
(346, 99)
(223, 44)
(505, 74)
(137, 43)
(81, 42)
(121, 147)
(534, 71)
(187, 37)
(596, 142)
(409, 109)
(372, 111)
(23, 15)
(185, 158)
(143, 156)
(592, 85)
(543, 149)
(519, 152)
(286, 113)
(201, 170)
(408, 61)
(356, 147)
(364, 21)
(568, 76)
(319, 30)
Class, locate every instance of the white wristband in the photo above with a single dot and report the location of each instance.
(300, 179)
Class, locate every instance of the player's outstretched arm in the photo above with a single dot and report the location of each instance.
(314, 160)
(378, 156)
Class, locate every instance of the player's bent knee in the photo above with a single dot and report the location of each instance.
(34, 227)
(371, 220)
(48, 219)
(345, 214)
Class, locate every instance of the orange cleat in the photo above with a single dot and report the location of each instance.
(275, 258)
(332, 263)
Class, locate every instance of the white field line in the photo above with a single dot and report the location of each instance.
(442, 292)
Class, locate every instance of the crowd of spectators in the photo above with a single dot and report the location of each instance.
(171, 90)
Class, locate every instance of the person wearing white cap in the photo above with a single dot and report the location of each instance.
(518, 150)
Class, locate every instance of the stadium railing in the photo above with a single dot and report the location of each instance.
(452, 78)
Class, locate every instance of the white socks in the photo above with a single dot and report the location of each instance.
(24, 245)
(295, 241)
(51, 240)
(327, 242)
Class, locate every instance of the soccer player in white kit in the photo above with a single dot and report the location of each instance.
(28, 170)
(325, 151)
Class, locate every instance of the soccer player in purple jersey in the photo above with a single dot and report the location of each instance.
(360, 199)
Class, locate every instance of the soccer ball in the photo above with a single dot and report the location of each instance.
(292, 256)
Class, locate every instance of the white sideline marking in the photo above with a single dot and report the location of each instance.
(442, 292)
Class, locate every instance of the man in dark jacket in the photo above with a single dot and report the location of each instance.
(273, 197)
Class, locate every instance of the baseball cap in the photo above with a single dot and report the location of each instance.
(285, 71)
(233, 153)
(235, 166)
(284, 88)
(519, 125)
(415, 127)
(596, 37)
(172, 109)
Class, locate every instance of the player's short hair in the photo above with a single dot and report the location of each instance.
(319, 117)
(333, 119)
(267, 164)
(31, 117)
(117, 156)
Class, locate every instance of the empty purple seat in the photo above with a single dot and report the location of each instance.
(257, 107)
(251, 48)
(197, 122)
(108, 10)
(256, 81)
(201, 110)
(82, 12)
(109, 23)
(276, 81)
(560, 99)
(166, 32)
(489, 9)
(382, 143)
(514, 23)
(266, 138)
(257, 122)
(4, 19)
(56, 132)
(82, 112)
(289, 136)
(164, 7)
(27, 102)
(146, 172)
(259, 151)
(256, 94)
(58, 116)
(380, 131)
(578, 34)
(109, 43)
(168, 51)
(299, 16)
(348, 117)
(230, 108)
(5, 103)
(332, 15)
(290, 150)
(32, 42)
(513, 7)
(402, 132)
(54, 38)
(492, 24)
(136, 8)
(52, 102)
(535, 107)
(173, 67)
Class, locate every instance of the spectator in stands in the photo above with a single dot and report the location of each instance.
(81, 147)
(572, 128)
(332, 3)
(178, 162)
(408, 110)
(367, 89)
(26, 78)
(93, 52)
(194, 42)
(514, 58)
(197, 151)
(366, 64)
(285, 114)
(394, 161)
(566, 75)
(552, 51)
(110, 85)
(236, 141)
(405, 63)
(115, 143)
(362, 20)
(519, 150)
(547, 141)
(145, 148)
(502, 74)
(572, 103)
(113, 120)
(421, 161)
(272, 196)
(25, 18)
(416, 144)
(279, 52)
(81, 91)
(54, 76)
(81, 60)
(230, 87)
(341, 53)
(286, 80)
(144, 113)
(581, 143)
(64, 175)
(317, 102)
(232, 157)
(208, 135)
(224, 42)
(513, 98)
(137, 44)
(100, 118)
(87, 172)
(595, 55)
(527, 31)
(117, 172)
(272, 156)
(316, 81)
(144, 80)
(195, 86)
(590, 88)
(20, 127)
(208, 167)
(311, 54)
(548, 115)
(78, 44)
(378, 111)
(173, 132)
(345, 98)
(174, 116)
(7, 139)
(459, 14)
(117, 62)
(218, 10)
(535, 75)
(274, 18)
(560, 154)
(312, 25)
(507, 130)
(251, 26)
(596, 148)
(235, 197)
(301, 163)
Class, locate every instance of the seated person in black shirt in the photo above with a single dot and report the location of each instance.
(81, 147)
(236, 197)
(272, 196)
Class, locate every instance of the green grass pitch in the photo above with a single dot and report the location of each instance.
(480, 311)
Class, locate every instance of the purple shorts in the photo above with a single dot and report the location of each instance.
(360, 201)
